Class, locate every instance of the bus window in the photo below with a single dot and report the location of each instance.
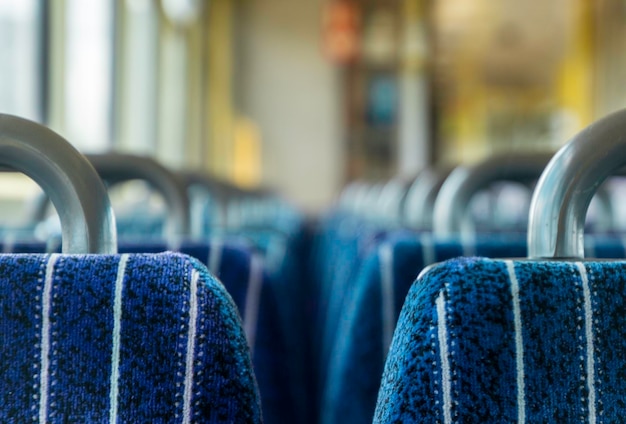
(137, 99)
(89, 73)
(20, 54)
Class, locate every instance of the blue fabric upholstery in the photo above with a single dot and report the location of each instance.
(255, 295)
(491, 341)
(368, 321)
(369, 318)
(342, 244)
(285, 256)
(282, 241)
(132, 338)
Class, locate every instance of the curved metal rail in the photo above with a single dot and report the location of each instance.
(562, 195)
(74, 187)
(465, 181)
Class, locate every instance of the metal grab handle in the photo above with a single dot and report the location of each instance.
(391, 201)
(219, 190)
(420, 199)
(456, 192)
(80, 198)
(115, 168)
(351, 196)
(222, 190)
(562, 195)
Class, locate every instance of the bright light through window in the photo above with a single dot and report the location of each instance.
(19, 59)
(89, 73)
(138, 100)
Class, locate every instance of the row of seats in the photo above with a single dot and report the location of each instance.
(525, 340)
(240, 257)
(369, 252)
(91, 335)
(260, 317)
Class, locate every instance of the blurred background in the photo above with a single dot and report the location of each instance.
(307, 96)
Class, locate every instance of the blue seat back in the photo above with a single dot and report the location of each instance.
(483, 340)
(129, 338)
(371, 312)
(256, 296)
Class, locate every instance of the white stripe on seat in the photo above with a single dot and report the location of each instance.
(519, 343)
(589, 338)
(442, 330)
(115, 350)
(253, 298)
(215, 256)
(385, 256)
(44, 377)
(191, 345)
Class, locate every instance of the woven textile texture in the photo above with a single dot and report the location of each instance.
(126, 338)
(499, 341)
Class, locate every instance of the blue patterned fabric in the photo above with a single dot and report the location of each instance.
(492, 341)
(367, 324)
(256, 296)
(127, 338)
(284, 256)
(342, 243)
(369, 318)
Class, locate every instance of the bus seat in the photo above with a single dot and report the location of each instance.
(369, 315)
(90, 335)
(537, 340)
